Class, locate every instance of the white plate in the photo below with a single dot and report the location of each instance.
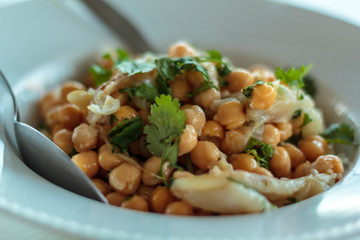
(44, 42)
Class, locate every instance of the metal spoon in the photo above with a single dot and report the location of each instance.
(48, 160)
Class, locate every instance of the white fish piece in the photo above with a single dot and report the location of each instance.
(220, 194)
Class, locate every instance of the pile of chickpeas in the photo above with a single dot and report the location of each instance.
(132, 181)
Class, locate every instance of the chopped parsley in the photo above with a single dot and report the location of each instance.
(340, 133)
(99, 74)
(262, 152)
(247, 91)
(146, 91)
(306, 120)
(215, 56)
(297, 114)
(126, 132)
(132, 67)
(166, 124)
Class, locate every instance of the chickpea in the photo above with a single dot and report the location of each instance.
(296, 124)
(115, 198)
(67, 115)
(296, 155)
(235, 141)
(180, 88)
(243, 161)
(205, 98)
(47, 102)
(121, 96)
(303, 169)
(285, 129)
(136, 203)
(328, 164)
(262, 171)
(160, 198)
(239, 79)
(181, 49)
(151, 172)
(85, 137)
(62, 138)
(124, 112)
(107, 159)
(313, 147)
(87, 162)
(263, 97)
(102, 186)
(271, 135)
(230, 114)
(205, 154)
(68, 87)
(280, 163)
(195, 116)
(188, 140)
(212, 132)
(264, 75)
(145, 191)
(125, 178)
(179, 208)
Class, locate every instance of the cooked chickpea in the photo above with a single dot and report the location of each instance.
(212, 132)
(263, 74)
(87, 162)
(145, 191)
(243, 161)
(313, 147)
(194, 79)
(62, 138)
(85, 137)
(107, 159)
(204, 154)
(271, 135)
(181, 49)
(235, 141)
(262, 171)
(296, 155)
(188, 140)
(302, 170)
(67, 115)
(136, 203)
(280, 163)
(121, 96)
(263, 97)
(230, 114)
(125, 178)
(195, 116)
(47, 102)
(239, 79)
(151, 172)
(328, 164)
(160, 198)
(179, 208)
(115, 198)
(68, 87)
(102, 186)
(124, 112)
(180, 87)
(285, 129)
(205, 98)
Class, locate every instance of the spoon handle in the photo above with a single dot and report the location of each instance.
(16, 109)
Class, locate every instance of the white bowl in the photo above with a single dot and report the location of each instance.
(45, 42)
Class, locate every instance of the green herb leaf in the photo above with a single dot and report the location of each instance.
(214, 56)
(310, 86)
(126, 132)
(99, 74)
(113, 119)
(203, 87)
(340, 133)
(262, 152)
(122, 55)
(306, 120)
(247, 91)
(133, 67)
(297, 114)
(146, 91)
(166, 124)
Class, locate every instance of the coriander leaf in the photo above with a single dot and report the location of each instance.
(297, 114)
(214, 56)
(247, 91)
(340, 133)
(262, 152)
(107, 56)
(133, 67)
(99, 74)
(294, 139)
(306, 120)
(203, 87)
(146, 91)
(310, 86)
(126, 132)
(122, 55)
(166, 124)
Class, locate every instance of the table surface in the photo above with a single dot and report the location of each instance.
(13, 227)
